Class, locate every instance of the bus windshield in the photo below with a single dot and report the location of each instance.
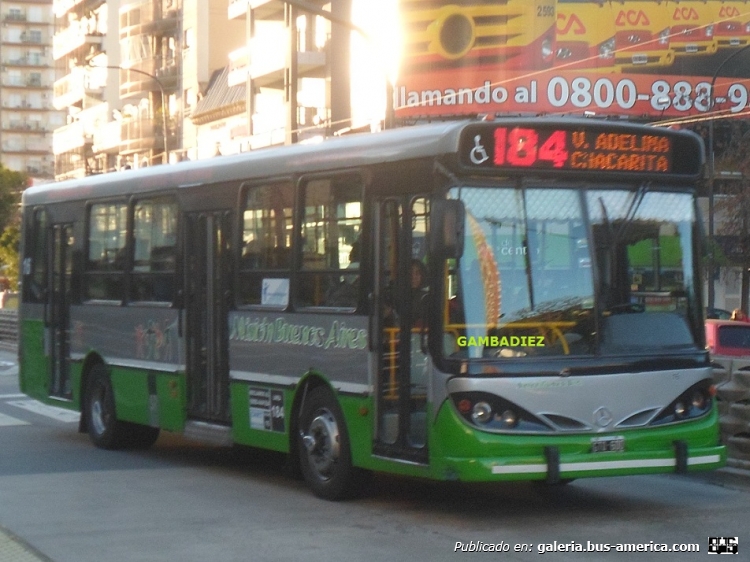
(548, 272)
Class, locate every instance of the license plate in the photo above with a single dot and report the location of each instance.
(608, 444)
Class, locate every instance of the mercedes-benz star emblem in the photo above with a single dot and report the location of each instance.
(602, 417)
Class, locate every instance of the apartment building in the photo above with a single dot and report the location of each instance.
(84, 35)
(295, 69)
(27, 116)
(133, 72)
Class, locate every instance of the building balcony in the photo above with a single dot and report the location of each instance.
(137, 135)
(74, 37)
(237, 9)
(62, 7)
(22, 126)
(72, 89)
(14, 17)
(69, 138)
(33, 62)
(35, 148)
(239, 62)
(268, 9)
(143, 76)
(268, 69)
(24, 105)
(108, 138)
(168, 71)
(151, 17)
(71, 170)
(25, 83)
(262, 9)
(33, 39)
(40, 170)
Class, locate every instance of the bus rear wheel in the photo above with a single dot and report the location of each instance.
(325, 455)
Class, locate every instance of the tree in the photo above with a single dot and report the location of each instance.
(11, 185)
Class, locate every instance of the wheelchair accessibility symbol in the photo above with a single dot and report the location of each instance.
(478, 154)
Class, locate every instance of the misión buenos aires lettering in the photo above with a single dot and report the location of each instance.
(262, 330)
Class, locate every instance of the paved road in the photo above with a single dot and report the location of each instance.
(185, 502)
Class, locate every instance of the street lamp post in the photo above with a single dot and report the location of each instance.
(711, 178)
(165, 152)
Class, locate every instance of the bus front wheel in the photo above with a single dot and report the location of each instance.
(325, 455)
(105, 430)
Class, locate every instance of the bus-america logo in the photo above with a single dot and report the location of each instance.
(336, 335)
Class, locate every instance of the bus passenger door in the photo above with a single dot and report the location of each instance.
(207, 283)
(402, 383)
(57, 313)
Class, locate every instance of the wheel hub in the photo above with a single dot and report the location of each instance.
(323, 443)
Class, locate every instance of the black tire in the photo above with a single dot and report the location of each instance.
(105, 430)
(139, 436)
(323, 445)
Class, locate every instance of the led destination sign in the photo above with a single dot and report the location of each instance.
(595, 149)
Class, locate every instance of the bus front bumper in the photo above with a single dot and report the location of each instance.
(476, 456)
(555, 467)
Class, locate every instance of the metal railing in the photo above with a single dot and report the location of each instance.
(8, 329)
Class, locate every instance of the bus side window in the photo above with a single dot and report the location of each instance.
(331, 227)
(266, 242)
(105, 268)
(35, 262)
(154, 261)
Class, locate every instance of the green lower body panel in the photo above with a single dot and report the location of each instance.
(459, 452)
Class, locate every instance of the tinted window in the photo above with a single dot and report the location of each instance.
(155, 249)
(331, 227)
(267, 229)
(106, 257)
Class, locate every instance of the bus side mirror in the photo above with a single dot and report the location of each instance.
(447, 232)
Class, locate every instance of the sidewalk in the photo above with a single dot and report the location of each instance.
(735, 475)
(13, 549)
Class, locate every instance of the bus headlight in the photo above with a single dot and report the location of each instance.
(482, 413)
(547, 50)
(490, 412)
(607, 49)
(699, 400)
(680, 410)
(693, 403)
(709, 31)
(509, 418)
(452, 33)
(664, 36)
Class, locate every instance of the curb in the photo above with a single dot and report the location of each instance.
(13, 549)
(730, 476)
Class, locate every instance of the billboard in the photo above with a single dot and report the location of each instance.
(652, 59)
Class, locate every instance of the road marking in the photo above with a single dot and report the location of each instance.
(59, 414)
(9, 371)
(7, 396)
(7, 420)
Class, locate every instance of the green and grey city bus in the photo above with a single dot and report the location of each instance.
(484, 301)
